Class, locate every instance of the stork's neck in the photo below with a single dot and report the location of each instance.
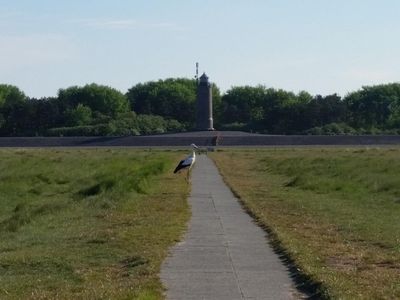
(193, 153)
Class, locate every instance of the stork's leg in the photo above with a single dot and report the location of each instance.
(187, 175)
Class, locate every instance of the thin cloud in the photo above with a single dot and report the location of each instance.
(32, 50)
(8, 15)
(127, 24)
(370, 75)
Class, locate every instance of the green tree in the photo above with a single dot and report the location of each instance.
(80, 115)
(322, 110)
(217, 105)
(277, 106)
(243, 104)
(173, 98)
(46, 114)
(373, 106)
(394, 117)
(13, 110)
(98, 98)
(261, 109)
(170, 98)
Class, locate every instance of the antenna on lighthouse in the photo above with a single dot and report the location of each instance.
(197, 73)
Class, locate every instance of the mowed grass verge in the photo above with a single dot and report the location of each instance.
(87, 224)
(335, 211)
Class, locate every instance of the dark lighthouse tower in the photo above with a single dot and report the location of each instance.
(204, 118)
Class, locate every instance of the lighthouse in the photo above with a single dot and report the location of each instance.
(204, 115)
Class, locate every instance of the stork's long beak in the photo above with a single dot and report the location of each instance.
(195, 147)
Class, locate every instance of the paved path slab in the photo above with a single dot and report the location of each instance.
(224, 255)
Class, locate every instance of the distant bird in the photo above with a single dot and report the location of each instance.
(188, 162)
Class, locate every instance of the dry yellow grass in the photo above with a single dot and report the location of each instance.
(335, 211)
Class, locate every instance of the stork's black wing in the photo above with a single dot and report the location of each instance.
(182, 164)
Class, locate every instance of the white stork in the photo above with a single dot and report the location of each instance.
(188, 162)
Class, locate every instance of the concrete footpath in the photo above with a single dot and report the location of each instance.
(224, 255)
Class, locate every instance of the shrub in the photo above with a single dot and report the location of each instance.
(236, 126)
(124, 125)
(332, 129)
(88, 130)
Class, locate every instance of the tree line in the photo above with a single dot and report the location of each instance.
(169, 106)
(371, 110)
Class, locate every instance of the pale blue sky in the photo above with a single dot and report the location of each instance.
(321, 46)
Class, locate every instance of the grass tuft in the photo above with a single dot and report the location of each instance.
(19, 217)
(98, 188)
(293, 182)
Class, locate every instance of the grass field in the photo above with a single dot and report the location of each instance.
(335, 211)
(87, 224)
